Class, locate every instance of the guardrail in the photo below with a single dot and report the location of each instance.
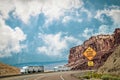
(20, 75)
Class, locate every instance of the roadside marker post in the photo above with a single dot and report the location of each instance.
(90, 54)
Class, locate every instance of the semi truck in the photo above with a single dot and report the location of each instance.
(61, 68)
(31, 69)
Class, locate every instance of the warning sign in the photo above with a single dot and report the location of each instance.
(89, 53)
(90, 63)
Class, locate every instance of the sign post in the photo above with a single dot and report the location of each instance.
(90, 54)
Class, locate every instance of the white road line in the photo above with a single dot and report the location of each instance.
(61, 77)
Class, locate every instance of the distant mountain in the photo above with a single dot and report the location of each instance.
(104, 45)
(8, 70)
(112, 65)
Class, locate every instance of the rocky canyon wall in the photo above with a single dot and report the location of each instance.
(104, 45)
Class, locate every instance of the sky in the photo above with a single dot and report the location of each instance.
(45, 30)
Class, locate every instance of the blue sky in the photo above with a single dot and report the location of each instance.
(45, 30)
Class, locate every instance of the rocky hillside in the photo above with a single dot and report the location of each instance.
(8, 70)
(112, 65)
(104, 45)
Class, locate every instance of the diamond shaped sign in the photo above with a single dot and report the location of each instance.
(89, 53)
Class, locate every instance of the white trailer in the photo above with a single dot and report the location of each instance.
(32, 69)
(61, 68)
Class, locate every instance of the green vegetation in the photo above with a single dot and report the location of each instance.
(110, 77)
(95, 75)
(89, 75)
(86, 77)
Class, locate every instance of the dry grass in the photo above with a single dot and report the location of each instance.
(112, 65)
(8, 70)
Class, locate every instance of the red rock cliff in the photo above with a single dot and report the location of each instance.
(104, 45)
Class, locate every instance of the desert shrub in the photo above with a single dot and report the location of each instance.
(96, 75)
(109, 77)
(86, 77)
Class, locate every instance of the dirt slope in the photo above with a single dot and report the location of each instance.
(8, 70)
(112, 65)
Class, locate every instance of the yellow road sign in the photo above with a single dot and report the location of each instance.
(90, 63)
(89, 53)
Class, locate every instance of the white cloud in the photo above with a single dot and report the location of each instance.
(77, 16)
(103, 29)
(56, 44)
(52, 9)
(5, 7)
(113, 12)
(71, 18)
(10, 39)
(87, 12)
(87, 33)
(66, 19)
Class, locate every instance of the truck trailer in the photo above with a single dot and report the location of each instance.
(31, 69)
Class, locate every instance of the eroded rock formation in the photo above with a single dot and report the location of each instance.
(104, 45)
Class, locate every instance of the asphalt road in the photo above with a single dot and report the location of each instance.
(45, 76)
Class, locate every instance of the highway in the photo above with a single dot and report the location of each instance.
(45, 76)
